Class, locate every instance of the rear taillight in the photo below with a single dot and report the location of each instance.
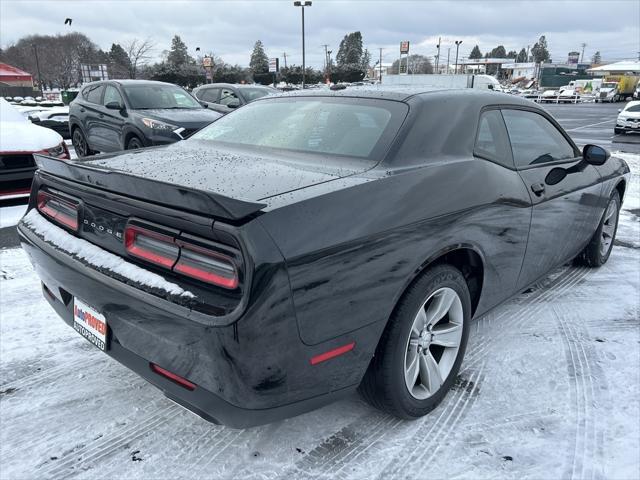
(185, 258)
(206, 266)
(62, 211)
(152, 246)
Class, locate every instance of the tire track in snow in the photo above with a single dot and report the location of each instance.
(426, 436)
(73, 462)
(589, 436)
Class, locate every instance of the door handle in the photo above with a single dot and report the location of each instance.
(101, 115)
(537, 188)
(82, 110)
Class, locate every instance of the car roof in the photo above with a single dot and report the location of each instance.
(417, 93)
(234, 85)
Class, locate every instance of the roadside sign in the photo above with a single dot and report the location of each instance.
(274, 65)
(404, 47)
(207, 62)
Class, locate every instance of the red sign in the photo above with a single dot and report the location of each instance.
(404, 47)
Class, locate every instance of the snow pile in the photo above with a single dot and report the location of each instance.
(19, 135)
(97, 257)
(10, 216)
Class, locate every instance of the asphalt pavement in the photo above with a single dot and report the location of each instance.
(593, 123)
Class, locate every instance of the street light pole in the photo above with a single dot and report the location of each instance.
(457, 42)
(306, 3)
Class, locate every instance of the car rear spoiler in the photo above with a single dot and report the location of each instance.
(155, 191)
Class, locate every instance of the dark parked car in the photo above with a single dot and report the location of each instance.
(116, 115)
(307, 245)
(56, 119)
(225, 97)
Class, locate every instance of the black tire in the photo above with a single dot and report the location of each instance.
(596, 254)
(383, 385)
(80, 144)
(618, 131)
(134, 143)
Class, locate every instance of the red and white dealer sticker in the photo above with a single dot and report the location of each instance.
(90, 323)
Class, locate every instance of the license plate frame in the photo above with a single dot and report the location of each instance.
(91, 324)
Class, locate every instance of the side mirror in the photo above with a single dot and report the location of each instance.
(114, 106)
(233, 105)
(595, 155)
(204, 104)
(490, 87)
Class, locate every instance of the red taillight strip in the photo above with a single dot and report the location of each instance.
(186, 258)
(43, 206)
(133, 248)
(323, 357)
(183, 382)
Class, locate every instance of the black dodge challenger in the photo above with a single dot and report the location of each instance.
(310, 244)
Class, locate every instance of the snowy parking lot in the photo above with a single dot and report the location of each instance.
(549, 388)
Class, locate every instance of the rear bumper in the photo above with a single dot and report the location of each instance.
(252, 372)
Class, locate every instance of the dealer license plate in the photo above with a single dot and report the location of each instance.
(90, 323)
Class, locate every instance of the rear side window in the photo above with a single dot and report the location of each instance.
(94, 93)
(208, 95)
(492, 141)
(534, 139)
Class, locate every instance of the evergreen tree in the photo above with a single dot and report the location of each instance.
(475, 53)
(498, 52)
(540, 51)
(596, 59)
(259, 62)
(350, 52)
(522, 56)
(178, 56)
(119, 63)
(512, 54)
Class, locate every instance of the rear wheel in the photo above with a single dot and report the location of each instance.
(421, 349)
(597, 252)
(80, 144)
(134, 143)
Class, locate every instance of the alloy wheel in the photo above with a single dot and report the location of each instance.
(433, 343)
(79, 144)
(608, 227)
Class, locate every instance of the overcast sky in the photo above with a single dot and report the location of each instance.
(230, 28)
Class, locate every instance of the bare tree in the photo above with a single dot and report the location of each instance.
(138, 52)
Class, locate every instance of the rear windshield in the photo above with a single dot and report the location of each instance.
(352, 127)
(250, 93)
(150, 96)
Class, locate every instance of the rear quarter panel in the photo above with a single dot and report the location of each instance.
(350, 254)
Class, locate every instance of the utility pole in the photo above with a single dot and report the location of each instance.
(448, 52)
(582, 56)
(326, 56)
(285, 59)
(457, 42)
(438, 55)
(527, 60)
(380, 66)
